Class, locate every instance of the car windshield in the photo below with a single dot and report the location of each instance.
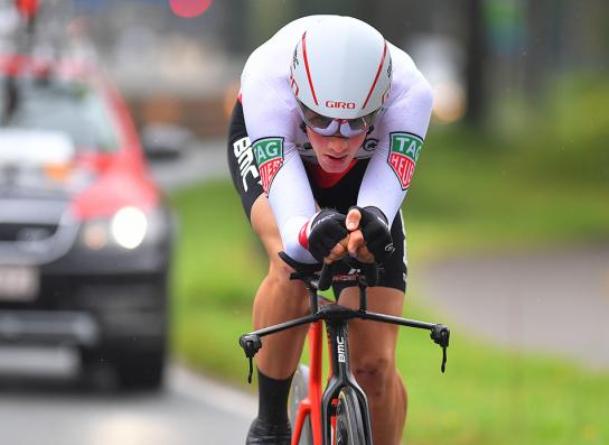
(70, 107)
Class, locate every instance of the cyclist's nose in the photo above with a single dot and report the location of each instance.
(338, 144)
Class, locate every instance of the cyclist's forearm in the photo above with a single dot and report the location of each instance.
(293, 205)
(391, 168)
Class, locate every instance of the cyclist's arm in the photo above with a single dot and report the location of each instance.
(402, 128)
(268, 118)
(293, 205)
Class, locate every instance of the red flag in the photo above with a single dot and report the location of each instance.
(189, 8)
(27, 8)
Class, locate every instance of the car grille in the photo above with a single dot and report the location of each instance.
(27, 232)
(102, 295)
(34, 231)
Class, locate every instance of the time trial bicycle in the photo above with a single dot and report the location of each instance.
(339, 415)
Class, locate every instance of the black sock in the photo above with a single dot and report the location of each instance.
(273, 399)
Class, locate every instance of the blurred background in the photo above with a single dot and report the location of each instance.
(127, 266)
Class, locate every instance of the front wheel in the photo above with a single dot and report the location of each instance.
(299, 391)
(349, 419)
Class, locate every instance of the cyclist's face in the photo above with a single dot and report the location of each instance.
(335, 153)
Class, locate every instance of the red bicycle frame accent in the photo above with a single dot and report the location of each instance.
(311, 405)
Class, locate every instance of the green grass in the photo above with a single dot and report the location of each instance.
(218, 267)
(472, 193)
(491, 395)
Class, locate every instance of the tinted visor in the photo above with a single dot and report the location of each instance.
(328, 126)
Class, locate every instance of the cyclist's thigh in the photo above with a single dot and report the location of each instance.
(371, 341)
(264, 225)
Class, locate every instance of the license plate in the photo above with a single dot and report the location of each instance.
(18, 283)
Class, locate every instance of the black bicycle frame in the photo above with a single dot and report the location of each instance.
(342, 376)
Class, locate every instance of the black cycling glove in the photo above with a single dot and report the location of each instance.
(326, 229)
(376, 231)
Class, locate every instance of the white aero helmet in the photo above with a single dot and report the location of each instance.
(341, 68)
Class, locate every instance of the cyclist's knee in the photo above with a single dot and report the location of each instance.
(374, 373)
(280, 272)
(278, 282)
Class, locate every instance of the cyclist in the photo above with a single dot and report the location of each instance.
(323, 143)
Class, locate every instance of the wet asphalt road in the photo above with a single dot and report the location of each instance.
(42, 401)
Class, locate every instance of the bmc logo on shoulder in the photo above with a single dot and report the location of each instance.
(343, 105)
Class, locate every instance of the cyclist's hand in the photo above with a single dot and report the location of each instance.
(356, 244)
(375, 233)
(327, 237)
(338, 251)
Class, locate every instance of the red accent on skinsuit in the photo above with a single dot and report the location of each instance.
(302, 236)
(324, 179)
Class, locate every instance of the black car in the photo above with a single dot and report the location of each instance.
(85, 235)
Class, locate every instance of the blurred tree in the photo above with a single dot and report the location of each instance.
(267, 18)
(476, 53)
(237, 28)
(538, 53)
(310, 7)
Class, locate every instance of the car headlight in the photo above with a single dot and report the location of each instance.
(128, 227)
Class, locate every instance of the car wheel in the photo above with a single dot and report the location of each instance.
(135, 369)
(141, 370)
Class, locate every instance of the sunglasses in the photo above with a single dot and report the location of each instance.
(329, 126)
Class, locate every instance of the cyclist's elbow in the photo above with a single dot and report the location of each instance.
(297, 252)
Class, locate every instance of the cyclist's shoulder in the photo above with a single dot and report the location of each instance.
(410, 90)
(406, 74)
(266, 72)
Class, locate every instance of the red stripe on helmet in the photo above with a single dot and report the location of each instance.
(306, 62)
(376, 78)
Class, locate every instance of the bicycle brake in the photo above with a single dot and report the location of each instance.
(440, 334)
(251, 344)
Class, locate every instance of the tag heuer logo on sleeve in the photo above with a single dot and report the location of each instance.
(404, 151)
(269, 157)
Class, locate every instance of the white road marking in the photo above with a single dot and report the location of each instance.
(130, 429)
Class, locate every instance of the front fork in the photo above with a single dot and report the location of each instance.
(341, 377)
(321, 410)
